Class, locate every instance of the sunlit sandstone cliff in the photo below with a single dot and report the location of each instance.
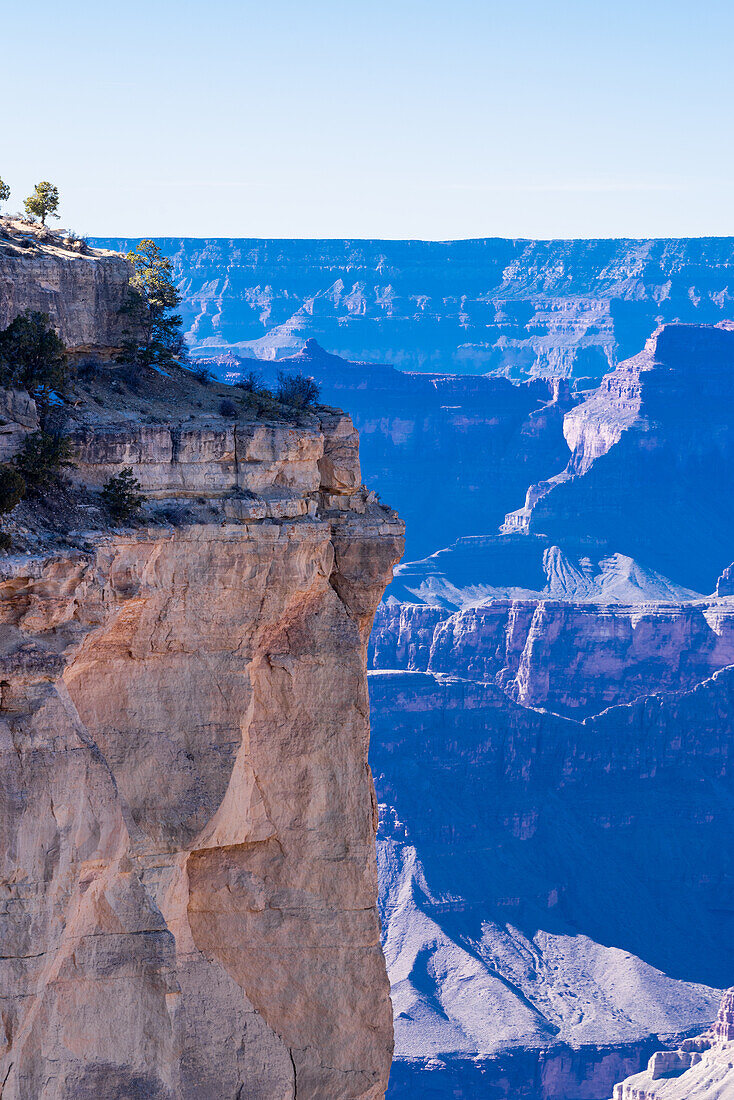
(188, 818)
(81, 291)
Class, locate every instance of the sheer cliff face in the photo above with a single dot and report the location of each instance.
(81, 293)
(568, 308)
(188, 818)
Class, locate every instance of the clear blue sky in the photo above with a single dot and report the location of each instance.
(379, 118)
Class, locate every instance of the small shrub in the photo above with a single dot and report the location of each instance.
(252, 383)
(175, 515)
(121, 495)
(32, 355)
(76, 243)
(297, 390)
(42, 459)
(228, 408)
(12, 488)
(204, 375)
(12, 491)
(87, 369)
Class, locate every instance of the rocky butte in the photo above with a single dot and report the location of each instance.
(188, 818)
(701, 1068)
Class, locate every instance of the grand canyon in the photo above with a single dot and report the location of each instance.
(535, 900)
(549, 684)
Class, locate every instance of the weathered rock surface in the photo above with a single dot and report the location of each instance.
(188, 882)
(568, 308)
(570, 658)
(80, 291)
(700, 1069)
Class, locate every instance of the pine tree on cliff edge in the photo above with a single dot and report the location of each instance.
(155, 330)
(44, 202)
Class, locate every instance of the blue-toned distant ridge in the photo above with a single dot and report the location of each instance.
(514, 307)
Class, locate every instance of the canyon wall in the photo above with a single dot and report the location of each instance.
(81, 292)
(552, 714)
(554, 892)
(571, 658)
(523, 750)
(651, 465)
(551, 691)
(515, 307)
(187, 812)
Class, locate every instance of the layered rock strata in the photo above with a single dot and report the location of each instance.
(459, 448)
(188, 818)
(566, 657)
(81, 291)
(699, 1069)
(515, 307)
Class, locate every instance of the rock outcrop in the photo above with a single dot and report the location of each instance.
(188, 870)
(81, 291)
(514, 307)
(699, 1069)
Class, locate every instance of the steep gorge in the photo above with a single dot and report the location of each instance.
(551, 703)
(552, 714)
